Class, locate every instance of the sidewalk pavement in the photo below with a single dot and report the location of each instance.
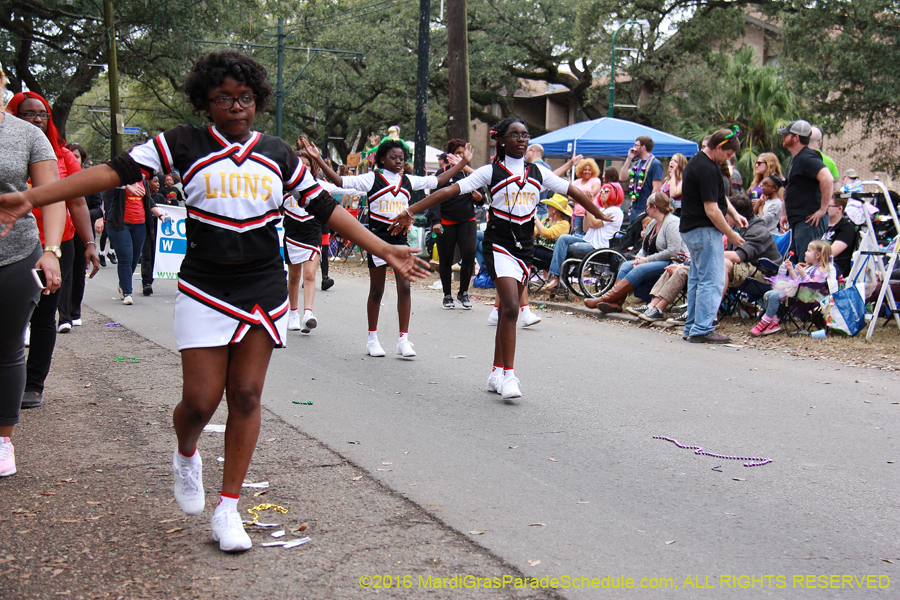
(90, 513)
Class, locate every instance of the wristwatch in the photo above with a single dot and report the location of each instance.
(54, 249)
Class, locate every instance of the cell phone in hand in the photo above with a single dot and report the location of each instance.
(39, 279)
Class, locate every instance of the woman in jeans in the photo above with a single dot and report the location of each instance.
(130, 208)
(25, 153)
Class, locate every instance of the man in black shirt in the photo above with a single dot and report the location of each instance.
(703, 208)
(808, 189)
(841, 234)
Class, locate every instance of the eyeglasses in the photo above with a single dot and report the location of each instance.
(226, 102)
(519, 136)
(31, 115)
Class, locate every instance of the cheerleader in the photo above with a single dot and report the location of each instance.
(231, 308)
(302, 248)
(389, 190)
(515, 187)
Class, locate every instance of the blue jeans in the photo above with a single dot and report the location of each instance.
(479, 255)
(578, 225)
(773, 300)
(706, 279)
(128, 244)
(644, 273)
(563, 244)
(802, 234)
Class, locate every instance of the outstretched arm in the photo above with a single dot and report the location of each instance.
(316, 155)
(582, 199)
(90, 181)
(401, 258)
(404, 220)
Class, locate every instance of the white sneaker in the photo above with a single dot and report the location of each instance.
(309, 322)
(495, 381)
(228, 530)
(529, 318)
(493, 318)
(76, 322)
(189, 485)
(7, 458)
(373, 348)
(128, 300)
(64, 328)
(510, 388)
(405, 348)
(293, 321)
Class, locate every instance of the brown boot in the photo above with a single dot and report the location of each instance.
(612, 300)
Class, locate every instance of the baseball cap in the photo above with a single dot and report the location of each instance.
(801, 128)
(851, 173)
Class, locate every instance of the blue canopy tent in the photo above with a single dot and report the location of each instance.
(609, 139)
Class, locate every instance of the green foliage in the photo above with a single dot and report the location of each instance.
(744, 93)
(841, 57)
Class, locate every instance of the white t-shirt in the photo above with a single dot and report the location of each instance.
(599, 237)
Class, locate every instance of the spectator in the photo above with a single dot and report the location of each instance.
(664, 292)
(841, 233)
(742, 263)
(815, 142)
(535, 155)
(95, 208)
(587, 179)
(852, 182)
(611, 176)
(768, 205)
(171, 195)
(766, 164)
(809, 187)
(644, 177)
(599, 233)
(661, 244)
(671, 187)
(557, 224)
(737, 180)
(703, 208)
(148, 252)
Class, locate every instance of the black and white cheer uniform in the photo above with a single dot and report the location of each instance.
(515, 188)
(388, 197)
(232, 277)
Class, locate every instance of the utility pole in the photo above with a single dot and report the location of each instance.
(279, 89)
(458, 69)
(612, 65)
(116, 124)
(422, 87)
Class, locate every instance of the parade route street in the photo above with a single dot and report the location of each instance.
(568, 481)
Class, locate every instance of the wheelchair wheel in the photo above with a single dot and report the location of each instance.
(597, 272)
(569, 275)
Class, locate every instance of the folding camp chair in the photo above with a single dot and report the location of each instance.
(802, 312)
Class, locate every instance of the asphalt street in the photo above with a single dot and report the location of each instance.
(570, 474)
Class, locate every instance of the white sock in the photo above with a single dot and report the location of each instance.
(307, 313)
(227, 503)
(508, 374)
(495, 312)
(373, 336)
(294, 311)
(525, 309)
(404, 336)
(189, 460)
(496, 370)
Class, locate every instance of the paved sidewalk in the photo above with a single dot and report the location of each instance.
(90, 513)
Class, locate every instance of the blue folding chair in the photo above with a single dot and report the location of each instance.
(783, 243)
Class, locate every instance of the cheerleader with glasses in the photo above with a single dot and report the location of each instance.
(389, 190)
(515, 186)
(231, 308)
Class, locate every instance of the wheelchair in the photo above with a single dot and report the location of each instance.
(584, 273)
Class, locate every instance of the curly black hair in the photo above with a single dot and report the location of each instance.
(210, 70)
(499, 130)
(454, 144)
(389, 145)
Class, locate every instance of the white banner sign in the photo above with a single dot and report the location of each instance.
(171, 243)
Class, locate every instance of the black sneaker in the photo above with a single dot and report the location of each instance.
(463, 298)
(113, 259)
(710, 338)
(148, 290)
(679, 320)
(32, 399)
(102, 260)
(327, 283)
(448, 301)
